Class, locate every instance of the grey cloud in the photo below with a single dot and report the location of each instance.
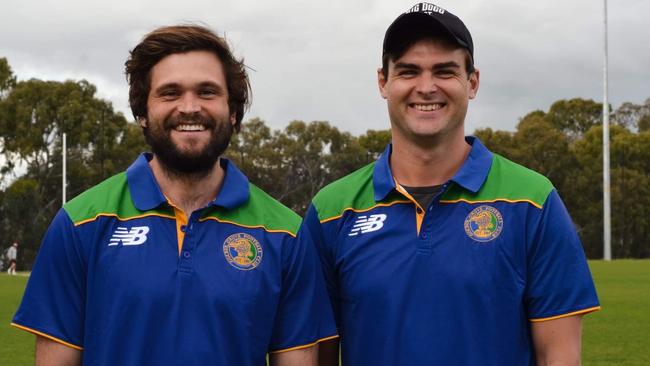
(317, 61)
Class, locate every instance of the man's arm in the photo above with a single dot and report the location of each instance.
(328, 353)
(51, 353)
(558, 341)
(299, 357)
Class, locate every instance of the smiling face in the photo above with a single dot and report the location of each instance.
(189, 124)
(427, 90)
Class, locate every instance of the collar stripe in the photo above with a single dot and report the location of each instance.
(363, 210)
(248, 226)
(493, 200)
(122, 218)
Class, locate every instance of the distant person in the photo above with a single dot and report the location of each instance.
(12, 257)
(442, 252)
(179, 260)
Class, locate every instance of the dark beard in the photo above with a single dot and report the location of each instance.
(183, 164)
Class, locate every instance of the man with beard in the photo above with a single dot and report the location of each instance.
(178, 260)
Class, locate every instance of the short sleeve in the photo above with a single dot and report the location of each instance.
(312, 226)
(53, 302)
(559, 282)
(304, 315)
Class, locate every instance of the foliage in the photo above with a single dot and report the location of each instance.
(33, 116)
(574, 117)
(634, 116)
(565, 144)
(292, 164)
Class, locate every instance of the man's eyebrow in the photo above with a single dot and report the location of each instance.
(446, 65)
(405, 65)
(211, 84)
(438, 66)
(167, 86)
(175, 85)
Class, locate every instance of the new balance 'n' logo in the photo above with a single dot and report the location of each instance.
(136, 236)
(365, 224)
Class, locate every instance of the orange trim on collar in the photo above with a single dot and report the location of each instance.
(181, 220)
(419, 211)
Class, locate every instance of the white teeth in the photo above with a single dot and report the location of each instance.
(190, 128)
(427, 107)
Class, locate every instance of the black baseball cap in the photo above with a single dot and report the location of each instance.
(427, 17)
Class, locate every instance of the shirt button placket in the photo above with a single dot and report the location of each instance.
(188, 245)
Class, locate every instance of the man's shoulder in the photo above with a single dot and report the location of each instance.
(508, 181)
(110, 197)
(261, 210)
(354, 191)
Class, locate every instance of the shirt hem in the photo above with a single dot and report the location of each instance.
(34, 331)
(305, 345)
(578, 312)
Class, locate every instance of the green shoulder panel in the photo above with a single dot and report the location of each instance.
(261, 210)
(109, 198)
(506, 181)
(354, 191)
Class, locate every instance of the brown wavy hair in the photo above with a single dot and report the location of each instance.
(165, 41)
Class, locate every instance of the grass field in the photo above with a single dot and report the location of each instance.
(619, 334)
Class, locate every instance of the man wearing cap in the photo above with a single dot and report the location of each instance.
(179, 260)
(441, 252)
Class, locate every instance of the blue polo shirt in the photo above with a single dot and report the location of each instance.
(455, 283)
(125, 277)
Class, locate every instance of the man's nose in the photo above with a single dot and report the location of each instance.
(426, 84)
(189, 104)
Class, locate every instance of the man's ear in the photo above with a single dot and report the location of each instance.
(381, 82)
(474, 81)
(233, 119)
(142, 122)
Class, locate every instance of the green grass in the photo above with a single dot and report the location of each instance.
(16, 346)
(616, 335)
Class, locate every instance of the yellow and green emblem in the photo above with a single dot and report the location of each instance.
(242, 251)
(484, 223)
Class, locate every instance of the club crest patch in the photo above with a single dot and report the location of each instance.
(242, 251)
(484, 223)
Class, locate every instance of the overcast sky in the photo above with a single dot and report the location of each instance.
(318, 60)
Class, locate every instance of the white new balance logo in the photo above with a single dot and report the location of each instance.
(365, 224)
(136, 236)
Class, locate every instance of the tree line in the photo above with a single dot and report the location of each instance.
(292, 164)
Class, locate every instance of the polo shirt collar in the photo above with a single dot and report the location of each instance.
(235, 189)
(471, 175)
(382, 176)
(146, 194)
(476, 167)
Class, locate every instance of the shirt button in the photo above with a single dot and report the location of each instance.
(186, 254)
(424, 235)
(418, 210)
(183, 227)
